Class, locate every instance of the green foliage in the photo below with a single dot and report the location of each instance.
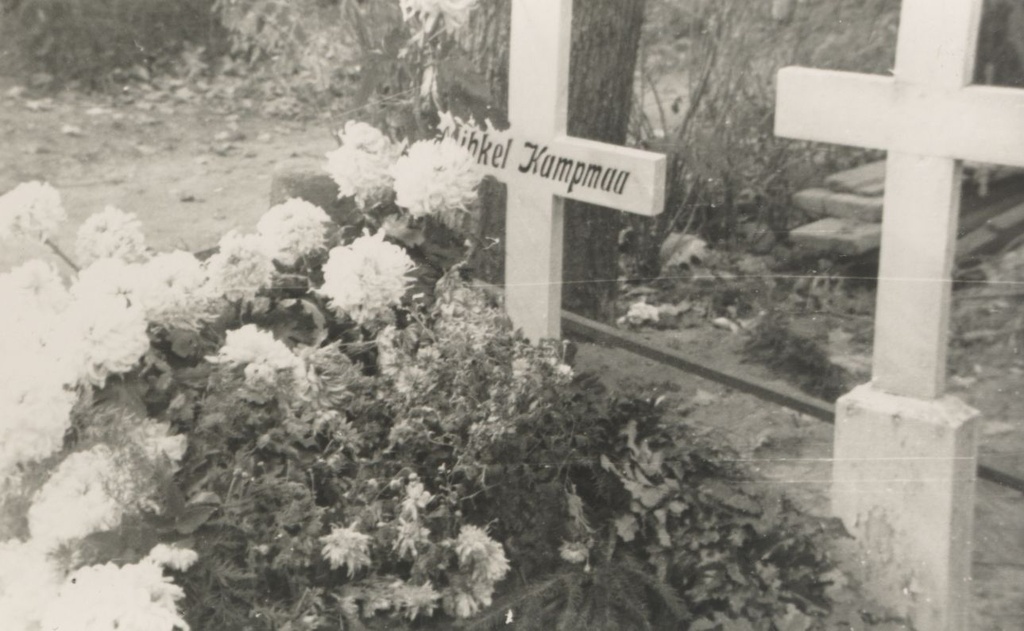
(87, 39)
(799, 357)
(666, 531)
(308, 45)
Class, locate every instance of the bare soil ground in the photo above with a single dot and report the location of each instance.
(191, 169)
(194, 168)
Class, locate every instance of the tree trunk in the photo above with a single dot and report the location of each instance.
(606, 36)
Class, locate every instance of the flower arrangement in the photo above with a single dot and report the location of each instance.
(94, 442)
(306, 430)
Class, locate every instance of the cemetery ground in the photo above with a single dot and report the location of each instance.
(194, 163)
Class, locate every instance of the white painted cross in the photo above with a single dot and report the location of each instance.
(904, 455)
(541, 165)
(928, 118)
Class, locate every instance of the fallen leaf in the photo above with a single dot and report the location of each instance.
(726, 323)
(41, 105)
(703, 397)
(682, 249)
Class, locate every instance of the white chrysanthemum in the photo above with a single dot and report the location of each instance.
(32, 210)
(34, 286)
(35, 406)
(361, 165)
(415, 600)
(77, 499)
(28, 581)
(251, 345)
(437, 178)
(173, 557)
(348, 547)
(112, 233)
(455, 12)
(261, 354)
(364, 279)
(411, 535)
(35, 409)
(133, 597)
(462, 604)
(293, 230)
(365, 137)
(483, 556)
(105, 335)
(107, 278)
(34, 300)
(241, 267)
(174, 291)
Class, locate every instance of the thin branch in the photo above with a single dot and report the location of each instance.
(64, 257)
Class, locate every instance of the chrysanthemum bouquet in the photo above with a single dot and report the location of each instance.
(176, 431)
(299, 431)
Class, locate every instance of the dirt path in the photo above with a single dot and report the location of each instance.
(189, 169)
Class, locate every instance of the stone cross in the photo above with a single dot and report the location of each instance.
(542, 166)
(905, 456)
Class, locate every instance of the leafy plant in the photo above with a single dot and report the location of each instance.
(726, 166)
(798, 357)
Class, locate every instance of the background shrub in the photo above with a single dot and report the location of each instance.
(86, 39)
(726, 166)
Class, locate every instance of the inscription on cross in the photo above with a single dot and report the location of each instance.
(542, 166)
(928, 118)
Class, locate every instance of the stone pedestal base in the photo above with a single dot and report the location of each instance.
(903, 484)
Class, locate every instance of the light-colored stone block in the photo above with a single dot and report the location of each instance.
(840, 236)
(823, 202)
(903, 484)
(867, 179)
(812, 200)
(857, 207)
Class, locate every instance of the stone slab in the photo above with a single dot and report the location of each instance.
(840, 236)
(821, 202)
(903, 482)
(305, 179)
(867, 179)
(993, 233)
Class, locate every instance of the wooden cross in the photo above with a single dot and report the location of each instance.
(542, 166)
(929, 119)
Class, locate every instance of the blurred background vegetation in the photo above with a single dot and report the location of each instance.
(704, 90)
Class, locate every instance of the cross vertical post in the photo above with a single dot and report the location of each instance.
(542, 165)
(538, 107)
(937, 47)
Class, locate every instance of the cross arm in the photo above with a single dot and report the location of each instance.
(623, 178)
(881, 113)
